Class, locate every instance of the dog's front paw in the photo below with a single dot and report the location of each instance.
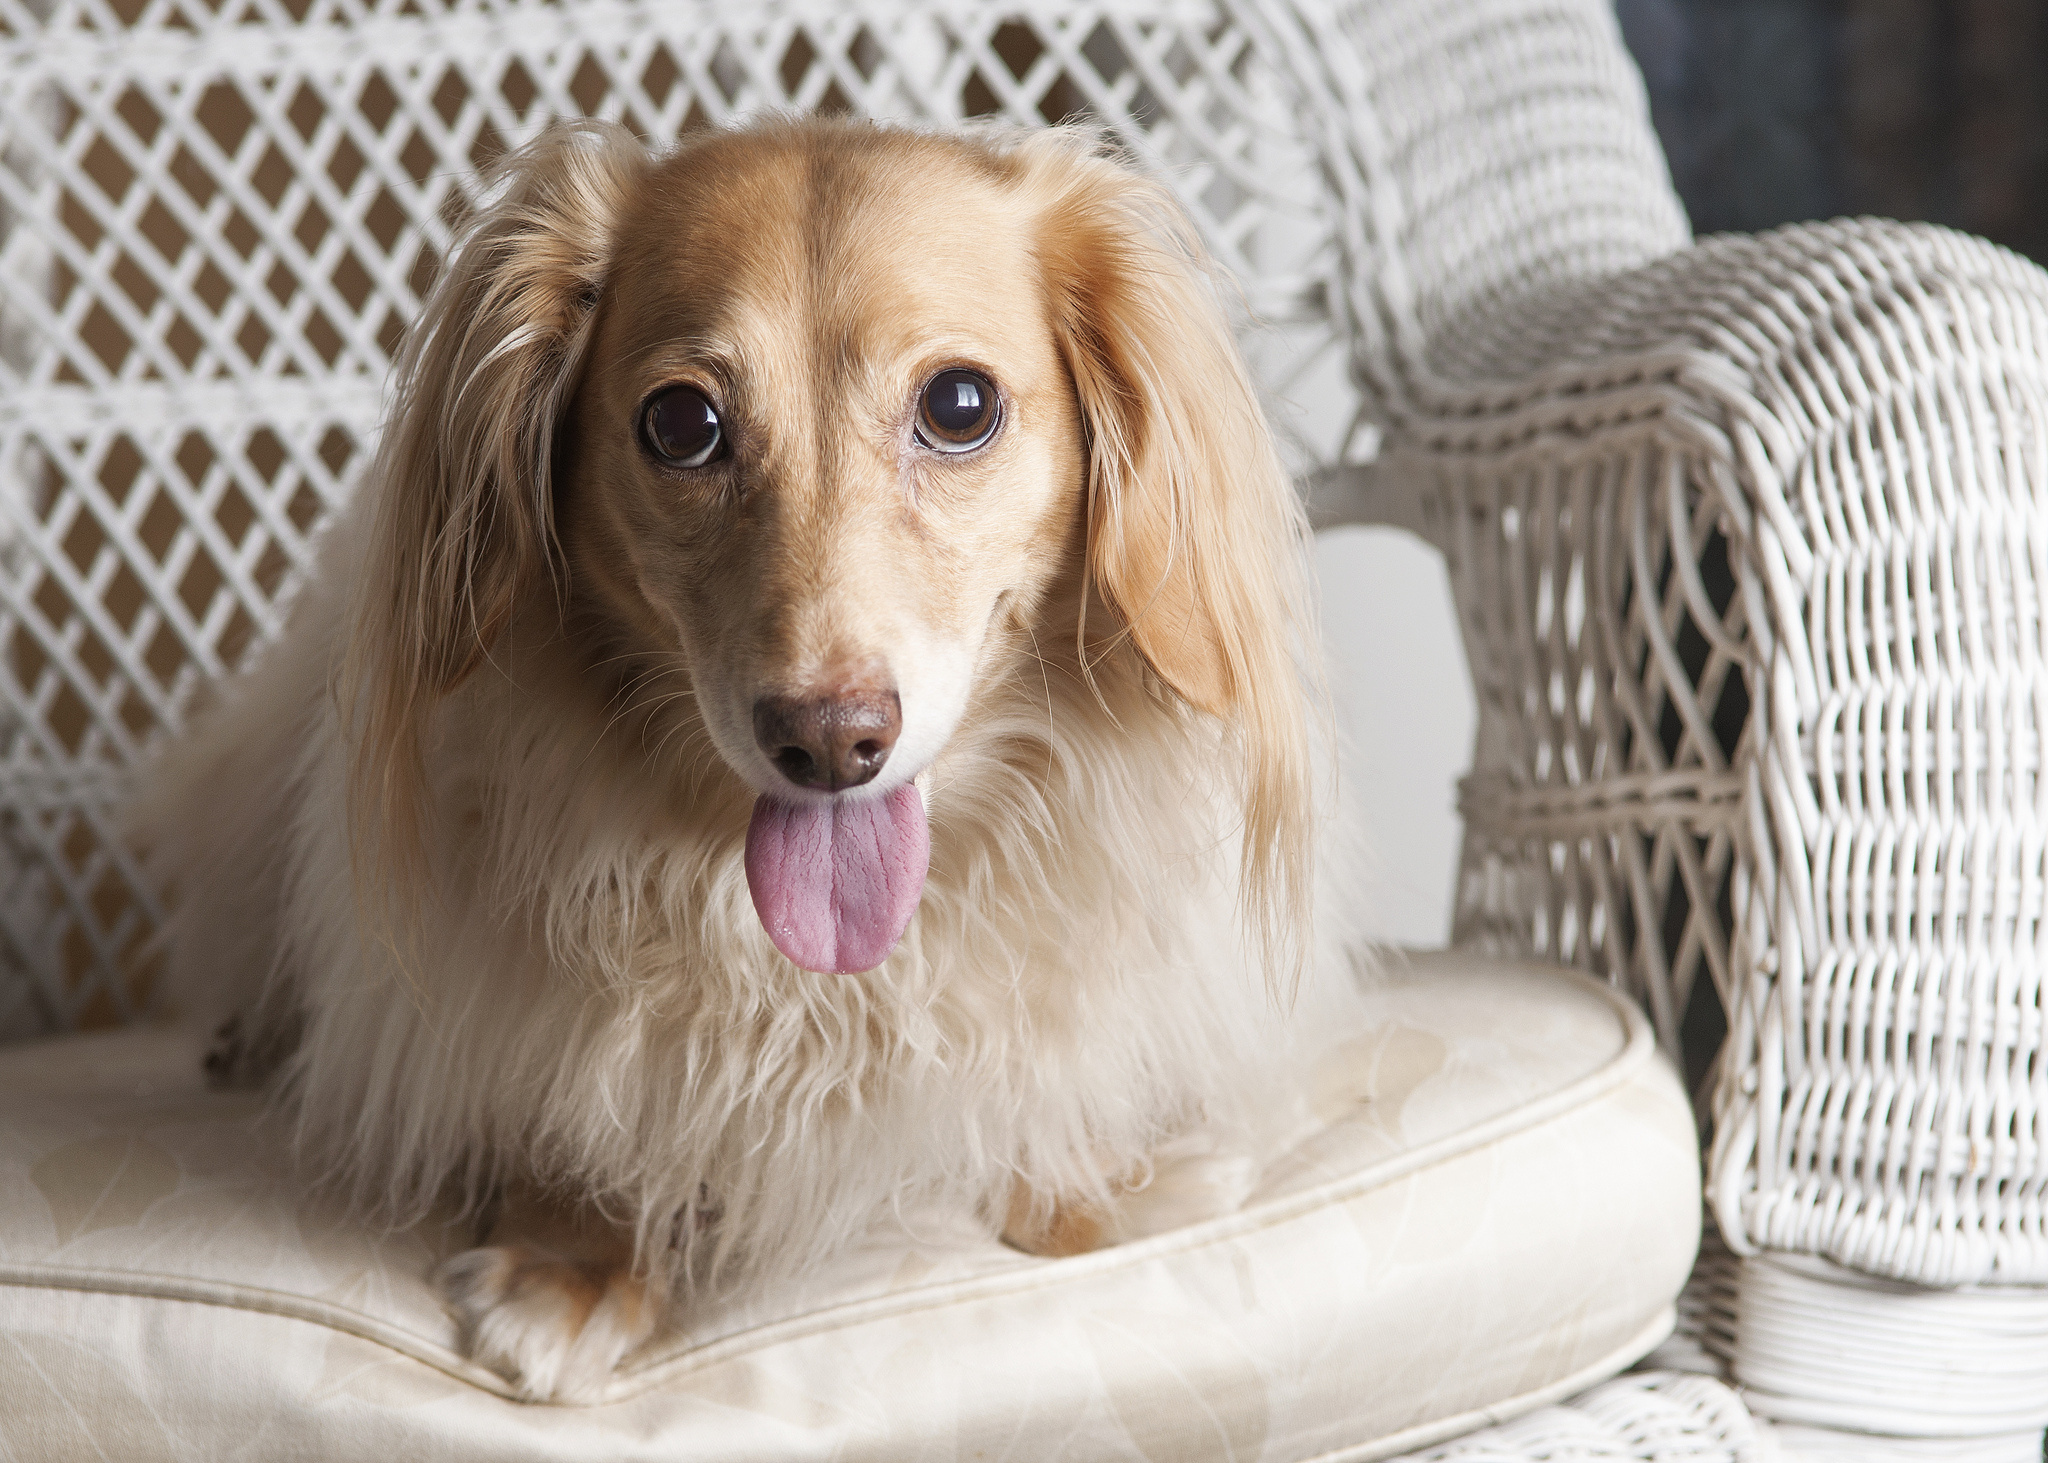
(555, 1328)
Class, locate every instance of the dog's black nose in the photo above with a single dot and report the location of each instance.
(829, 742)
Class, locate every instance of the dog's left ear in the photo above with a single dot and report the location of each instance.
(1188, 506)
(1195, 536)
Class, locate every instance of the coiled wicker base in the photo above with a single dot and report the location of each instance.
(1903, 1370)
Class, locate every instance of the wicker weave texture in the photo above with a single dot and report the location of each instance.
(1883, 1096)
(1751, 572)
(1501, 181)
(1647, 1417)
(216, 220)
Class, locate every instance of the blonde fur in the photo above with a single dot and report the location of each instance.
(465, 849)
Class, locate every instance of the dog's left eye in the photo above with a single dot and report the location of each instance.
(681, 427)
(957, 412)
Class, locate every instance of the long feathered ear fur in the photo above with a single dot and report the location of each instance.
(462, 513)
(1195, 536)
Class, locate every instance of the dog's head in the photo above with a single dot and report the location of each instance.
(836, 419)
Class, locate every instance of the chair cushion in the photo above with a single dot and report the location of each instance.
(1499, 1210)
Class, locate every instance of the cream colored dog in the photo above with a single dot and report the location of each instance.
(803, 719)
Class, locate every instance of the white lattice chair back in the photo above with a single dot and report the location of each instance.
(216, 220)
(215, 223)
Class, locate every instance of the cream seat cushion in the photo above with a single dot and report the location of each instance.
(1499, 1210)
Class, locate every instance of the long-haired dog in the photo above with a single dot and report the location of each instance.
(806, 717)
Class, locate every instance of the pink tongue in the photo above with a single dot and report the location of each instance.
(835, 883)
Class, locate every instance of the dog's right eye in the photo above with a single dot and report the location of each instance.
(958, 411)
(681, 427)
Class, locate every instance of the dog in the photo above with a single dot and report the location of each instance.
(810, 713)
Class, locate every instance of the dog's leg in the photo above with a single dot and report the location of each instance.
(1199, 1175)
(551, 1299)
(1202, 1174)
(1054, 1229)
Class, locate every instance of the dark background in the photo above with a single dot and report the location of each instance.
(1773, 111)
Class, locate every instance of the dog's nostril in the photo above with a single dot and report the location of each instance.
(829, 742)
(796, 764)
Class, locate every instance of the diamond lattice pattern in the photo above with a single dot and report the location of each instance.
(1609, 646)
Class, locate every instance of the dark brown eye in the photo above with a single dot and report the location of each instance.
(957, 412)
(679, 426)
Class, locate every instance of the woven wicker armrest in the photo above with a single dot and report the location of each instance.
(1751, 546)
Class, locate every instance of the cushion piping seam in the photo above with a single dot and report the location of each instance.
(1637, 1049)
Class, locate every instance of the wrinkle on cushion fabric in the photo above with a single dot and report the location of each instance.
(1497, 1210)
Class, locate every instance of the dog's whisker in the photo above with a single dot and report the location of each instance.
(631, 707)
(689, 729)
(1045, 680)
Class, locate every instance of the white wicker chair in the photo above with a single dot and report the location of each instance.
(1747, 535)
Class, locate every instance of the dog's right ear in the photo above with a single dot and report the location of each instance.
(462, 494)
